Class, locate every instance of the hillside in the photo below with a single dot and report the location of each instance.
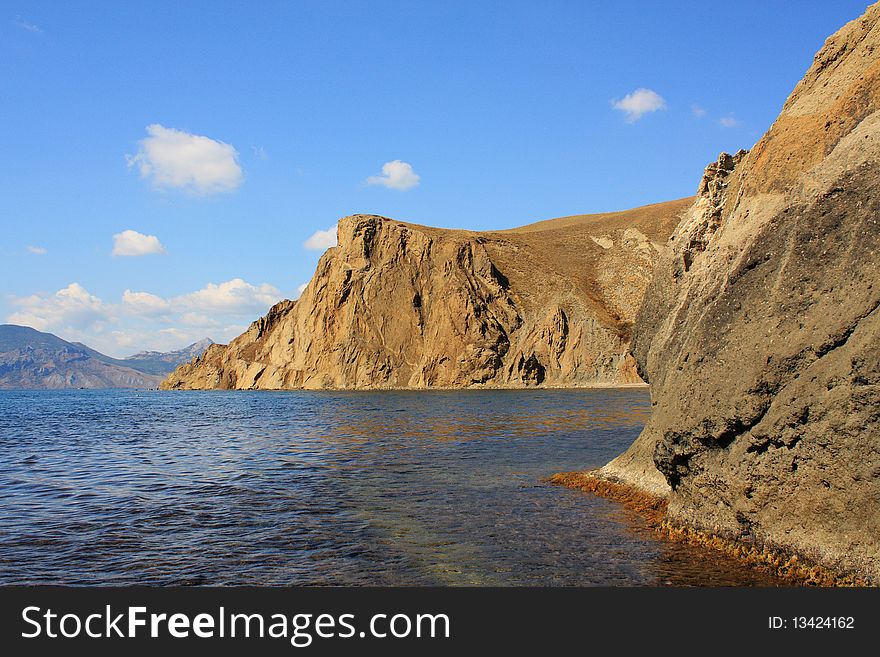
(398, 305)
(33, 359)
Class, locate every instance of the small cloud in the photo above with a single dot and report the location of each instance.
(321, 240)
(300, 289)
(144, 303)
(174, 159)
(729, 121)
(698, 111)
(396, 174)
(133, 243)
(27, 25)
(37, 250)
(638, 103)
(260, 152)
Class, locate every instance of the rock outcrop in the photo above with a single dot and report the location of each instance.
(397, 305)
(760, 331)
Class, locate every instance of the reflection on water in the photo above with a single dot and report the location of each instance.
(425, 488)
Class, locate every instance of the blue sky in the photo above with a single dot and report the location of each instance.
(163, 164)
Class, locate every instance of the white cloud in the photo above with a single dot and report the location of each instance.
(638, 103)
(133, 243)
(195, 319)
(144, 303)
(37, 250)
(698, 111)
(321, 240)
(132, 340)
(396, 174)
(176, 338)
(260, 152)
(27, 25)
(300, 289)
(729, 121)
(145, 321)
(235, 296)
(174, 159)
(72, 307)
(124, 339)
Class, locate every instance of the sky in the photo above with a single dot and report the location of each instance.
(169, 170)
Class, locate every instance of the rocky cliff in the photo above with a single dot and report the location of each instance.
(760, 332)
(397, 305)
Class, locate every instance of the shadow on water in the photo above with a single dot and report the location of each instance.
(390, 488)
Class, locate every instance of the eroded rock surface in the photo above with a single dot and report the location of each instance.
(760, 332)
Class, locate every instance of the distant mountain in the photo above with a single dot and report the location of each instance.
(33, 359)
(153, 362)
(158, 362)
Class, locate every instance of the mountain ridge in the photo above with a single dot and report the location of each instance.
(34, 359)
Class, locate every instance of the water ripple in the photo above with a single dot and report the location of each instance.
(392, 488)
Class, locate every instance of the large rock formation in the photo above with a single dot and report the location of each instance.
(760, 332)
(397, 305)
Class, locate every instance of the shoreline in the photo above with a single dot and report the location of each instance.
(585, 386)
(791, 568)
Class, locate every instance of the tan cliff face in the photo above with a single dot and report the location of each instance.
(760, 332)
(397, 305)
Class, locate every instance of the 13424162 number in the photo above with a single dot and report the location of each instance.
(823, 622)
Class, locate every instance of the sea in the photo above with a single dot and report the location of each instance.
(410, 488)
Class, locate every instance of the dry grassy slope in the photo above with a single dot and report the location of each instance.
(760, 331)
(608, 257)
(402, 305)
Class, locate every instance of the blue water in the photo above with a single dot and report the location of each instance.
(266, 488)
